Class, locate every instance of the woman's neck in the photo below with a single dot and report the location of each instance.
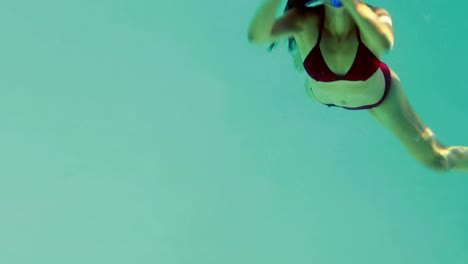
(338, 22)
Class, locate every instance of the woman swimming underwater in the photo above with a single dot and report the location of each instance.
(340, 46)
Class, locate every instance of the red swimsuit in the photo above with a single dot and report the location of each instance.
(364, 66)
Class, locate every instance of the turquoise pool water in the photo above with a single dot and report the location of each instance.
(153, 132)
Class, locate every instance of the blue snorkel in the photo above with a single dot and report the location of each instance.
(336, 3)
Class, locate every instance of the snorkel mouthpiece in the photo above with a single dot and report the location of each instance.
(336, 3)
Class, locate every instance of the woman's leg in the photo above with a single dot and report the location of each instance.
(397, 115)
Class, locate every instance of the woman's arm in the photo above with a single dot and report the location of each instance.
(375, 25)
(265, 28)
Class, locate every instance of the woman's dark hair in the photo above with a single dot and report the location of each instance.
(301, 5)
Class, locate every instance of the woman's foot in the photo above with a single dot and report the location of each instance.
(456, 158)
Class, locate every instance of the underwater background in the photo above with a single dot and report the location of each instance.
(153, 132)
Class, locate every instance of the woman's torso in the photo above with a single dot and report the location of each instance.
(339, 56)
